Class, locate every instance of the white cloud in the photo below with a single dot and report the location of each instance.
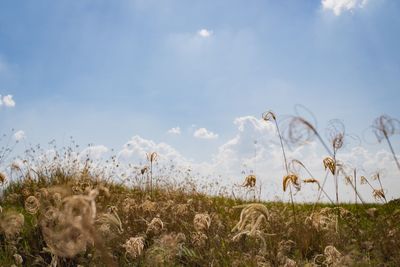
(204, 33)
(137, 148)
(7, 100)
(19, 135)
(264, 158)
(175, 130)
(338, 6)
(203, 133)
(93, 152)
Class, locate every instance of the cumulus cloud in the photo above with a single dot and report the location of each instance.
(204, 33)
(7, 101)
(175, 131)
(203, 133)
(136, 149)
(19, 135)
(338, 6)
(255, 147)
(93, 152)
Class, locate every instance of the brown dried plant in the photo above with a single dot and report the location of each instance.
(250, 181)
(270, 116)
(3, 178)
(291, 179)
(251, 220)
(330, 163)
(134, 247)
(11, 224)
(300, 131)
(201, 222)
(376, 193)
(151, 158)
(383, 127)
(312, 179)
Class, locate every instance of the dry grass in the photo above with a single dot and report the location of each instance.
(60, 211)
(72, 219)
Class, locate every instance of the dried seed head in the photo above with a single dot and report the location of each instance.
(291, 179)
(298, 131)
(268, 116)
(181, 209)
(378, 194)
(11, 224)
(201, 222)
(332, 255)
(198, 239)
(363, 180)
(128, 205)
(15, 167)
(32, 205)
(151, 157)
(69, 230)
(337, 141)
(385, 126)
(3, 178)
(376, 176)
(134, 246)
(250, 181)
(111, 218)
(144, 170)
(149, 206)
(155, 226)
(330, 164)
(335, 133)
(18, 259)
(311, 180)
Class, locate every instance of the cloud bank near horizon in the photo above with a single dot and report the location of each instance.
(255, 149)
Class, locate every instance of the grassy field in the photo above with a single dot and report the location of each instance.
(61, 218)
(64, 210)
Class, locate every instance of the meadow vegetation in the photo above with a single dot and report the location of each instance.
(61, 210)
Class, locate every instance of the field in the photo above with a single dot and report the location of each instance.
(62, 211)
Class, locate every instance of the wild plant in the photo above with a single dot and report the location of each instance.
(311, 180)
(151, 158)
(376, 193)
(289, 178)
(383, 127)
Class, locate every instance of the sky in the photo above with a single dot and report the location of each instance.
(192, 78)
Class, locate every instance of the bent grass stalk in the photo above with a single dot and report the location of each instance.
(268, 116)
(384, 126)
(320, 189)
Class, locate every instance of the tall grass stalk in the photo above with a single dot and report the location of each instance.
(268, 116)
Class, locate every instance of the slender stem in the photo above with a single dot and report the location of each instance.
(287, 170)
(392, 150)
(312, 176)
(355, 185)
(323, 143)
(283, 149)
(380, 183)
(320, 192)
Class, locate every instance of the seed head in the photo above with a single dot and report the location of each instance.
(32, 205)
(330, 164)
(134, 246)
(250, 181)
(201, 222)
(268, 116)
(293, 179)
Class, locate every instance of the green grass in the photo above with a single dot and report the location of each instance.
(362, 239)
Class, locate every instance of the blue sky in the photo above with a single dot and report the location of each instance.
(104, 71)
